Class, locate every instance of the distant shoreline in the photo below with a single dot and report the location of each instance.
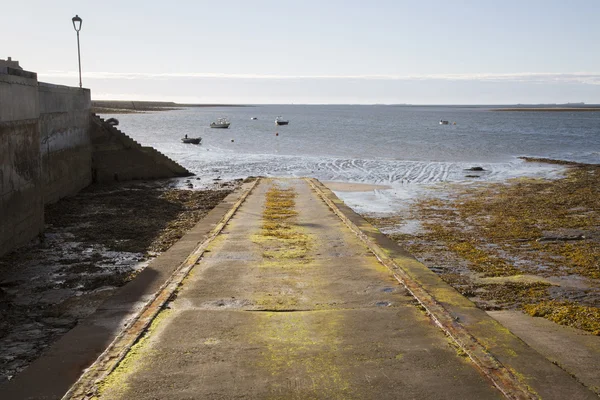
(130, 107)
(550, 109)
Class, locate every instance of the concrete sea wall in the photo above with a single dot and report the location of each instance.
(65, 145)
(52, 146)
(45, 151)
(21, 200)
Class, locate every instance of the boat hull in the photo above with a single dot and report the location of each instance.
(282, 122)
(219, 126)
(191, 140)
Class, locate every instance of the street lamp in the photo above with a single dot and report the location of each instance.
(77, 25)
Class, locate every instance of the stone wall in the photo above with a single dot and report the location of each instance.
(45, 151)
(117, 157)
(51, 146)
(21, 200)
(65, 144)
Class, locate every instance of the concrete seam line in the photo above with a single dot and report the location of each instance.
(505, 381)
(84, 387)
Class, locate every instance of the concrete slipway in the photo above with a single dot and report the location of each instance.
(295, 296)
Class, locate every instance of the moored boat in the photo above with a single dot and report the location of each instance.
(281, 121)
(112, 121)
(189, 140)
(220, 123)
(443, 122)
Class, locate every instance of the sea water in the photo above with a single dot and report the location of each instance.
(402, 147)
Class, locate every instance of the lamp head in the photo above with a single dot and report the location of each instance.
(76, 22)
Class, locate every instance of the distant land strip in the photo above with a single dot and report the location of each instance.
(551, 109)
(124, 106)
(553, 161)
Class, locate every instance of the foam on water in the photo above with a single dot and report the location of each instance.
(401, 147)
(407, 179)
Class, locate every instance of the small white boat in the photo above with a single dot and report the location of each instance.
(253, 118)
(442, 122)
(281, 121)
(220, 123)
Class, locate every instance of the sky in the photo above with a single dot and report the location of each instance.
(314, 52)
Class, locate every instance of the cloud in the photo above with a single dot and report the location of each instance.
(589, 78)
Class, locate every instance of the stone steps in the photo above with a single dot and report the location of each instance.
(128, 142)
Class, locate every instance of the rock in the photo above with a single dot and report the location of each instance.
(560, 238)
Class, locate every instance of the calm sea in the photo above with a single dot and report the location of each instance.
(398, 146)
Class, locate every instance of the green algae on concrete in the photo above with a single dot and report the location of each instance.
(117, 382)
(290, 340)
(348, 350)
(280, 236)
(293, 343)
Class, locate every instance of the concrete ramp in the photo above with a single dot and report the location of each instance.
(297, 297)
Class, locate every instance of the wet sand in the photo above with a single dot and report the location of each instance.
(354, 187)
(93, 244)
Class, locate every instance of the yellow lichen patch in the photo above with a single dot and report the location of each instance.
(277, 301)
(116, 384)
(296, 343)
(459, 350)
(511, 353)
(293, 340)
(567, 313)
(212, 341)
(523, 379)
(280, 237)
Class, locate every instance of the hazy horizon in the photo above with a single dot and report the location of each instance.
(269, 52)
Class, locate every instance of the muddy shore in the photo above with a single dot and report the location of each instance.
(93, 244)
(527, 244)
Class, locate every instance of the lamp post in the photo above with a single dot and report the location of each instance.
(77, 25)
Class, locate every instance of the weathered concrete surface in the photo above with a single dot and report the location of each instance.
(315, 315)
(574, 350)
(531, 369)
(45, 151)
(65, 144)
(60, 366)
(21, 200)
(257, 321)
